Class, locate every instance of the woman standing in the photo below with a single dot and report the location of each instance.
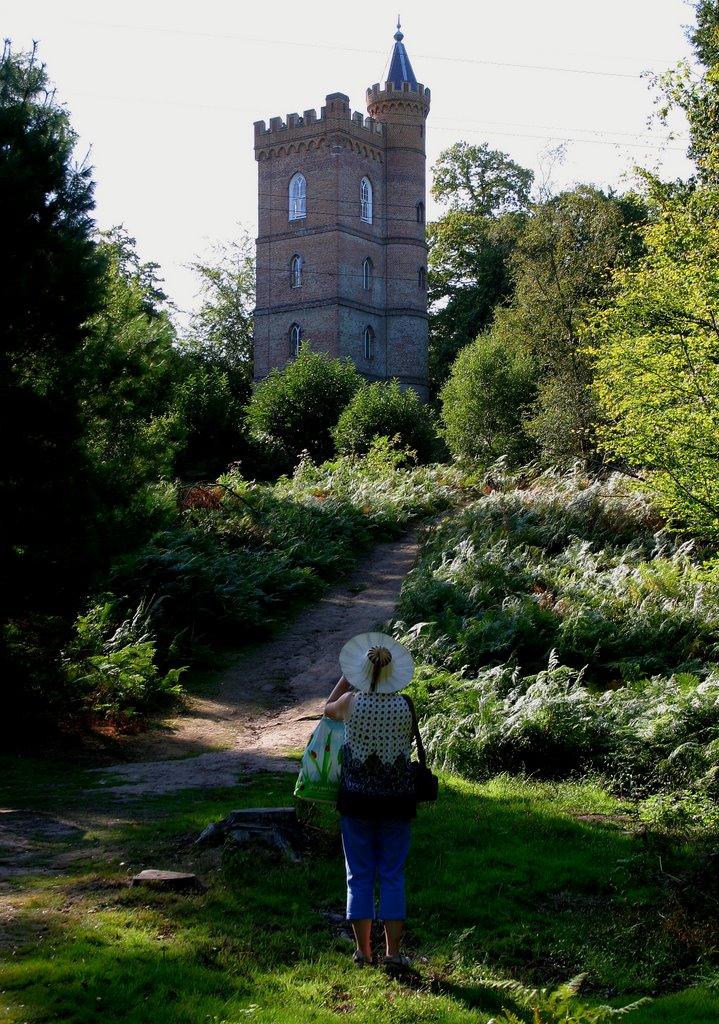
(376, 799)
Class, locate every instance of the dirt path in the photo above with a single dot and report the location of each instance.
(264, 706)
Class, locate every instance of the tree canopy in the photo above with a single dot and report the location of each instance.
(656, 369)
(487, 194)
(221, 329)
(50, 288)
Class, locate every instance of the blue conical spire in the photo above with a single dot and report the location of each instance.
(400, 69)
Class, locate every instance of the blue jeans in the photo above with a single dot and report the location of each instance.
(375, 850)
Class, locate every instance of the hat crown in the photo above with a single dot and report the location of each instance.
(379, 656)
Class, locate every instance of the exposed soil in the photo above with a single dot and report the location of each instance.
(263, 707)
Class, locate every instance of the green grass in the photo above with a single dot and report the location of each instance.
(512, 879)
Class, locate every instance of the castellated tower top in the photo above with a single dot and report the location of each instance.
(401, 89)
(335, 115)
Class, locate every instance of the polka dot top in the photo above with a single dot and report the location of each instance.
(379, 724)
(376, 780)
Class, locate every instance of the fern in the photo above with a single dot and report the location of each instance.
(556, 1006)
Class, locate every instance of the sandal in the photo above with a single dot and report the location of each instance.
(397, 963)
(360, 959)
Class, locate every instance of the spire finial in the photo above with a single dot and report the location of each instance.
(399, 36)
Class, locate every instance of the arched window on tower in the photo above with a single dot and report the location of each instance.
(420, 213)
(422, 278)
(295, 340)
(368, 343)
(296, 271)
(366, 201)
(367, 274)
(298, 197)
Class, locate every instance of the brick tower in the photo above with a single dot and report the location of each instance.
(341, 251)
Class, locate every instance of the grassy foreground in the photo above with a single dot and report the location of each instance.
(508, 880)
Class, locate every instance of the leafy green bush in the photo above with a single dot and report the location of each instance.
(485, 401)
(298, 406)
(383, 409)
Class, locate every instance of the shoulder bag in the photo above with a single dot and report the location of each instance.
(426, 783)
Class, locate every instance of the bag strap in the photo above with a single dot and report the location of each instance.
(415, 731)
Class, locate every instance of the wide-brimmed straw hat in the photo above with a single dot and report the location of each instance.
(362, 652)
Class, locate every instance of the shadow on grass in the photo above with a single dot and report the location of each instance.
(539, 890)
(512, 880)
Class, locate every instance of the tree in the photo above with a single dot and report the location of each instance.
(215, 378)
(221, 329)
(131, 430)
(211, 419)
(50, 289)
(294, 409)
(481, 180)
(542, 399)
(656, 369)
(383, 409)
(469, 278)
(485, 400)
(561, 266)
(697, 93)
(469, 246)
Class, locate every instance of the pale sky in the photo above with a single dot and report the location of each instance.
(164, 93)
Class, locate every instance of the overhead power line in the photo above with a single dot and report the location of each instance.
(296, 44)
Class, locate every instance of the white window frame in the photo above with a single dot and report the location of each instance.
(297, 197)
(366, 200)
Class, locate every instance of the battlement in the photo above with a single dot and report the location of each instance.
(390, 91)
(335, 114)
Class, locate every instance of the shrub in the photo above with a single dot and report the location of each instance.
(383, 409)
(491, 386)
(297, 407)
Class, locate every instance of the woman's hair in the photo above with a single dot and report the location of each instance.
(379, 658)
